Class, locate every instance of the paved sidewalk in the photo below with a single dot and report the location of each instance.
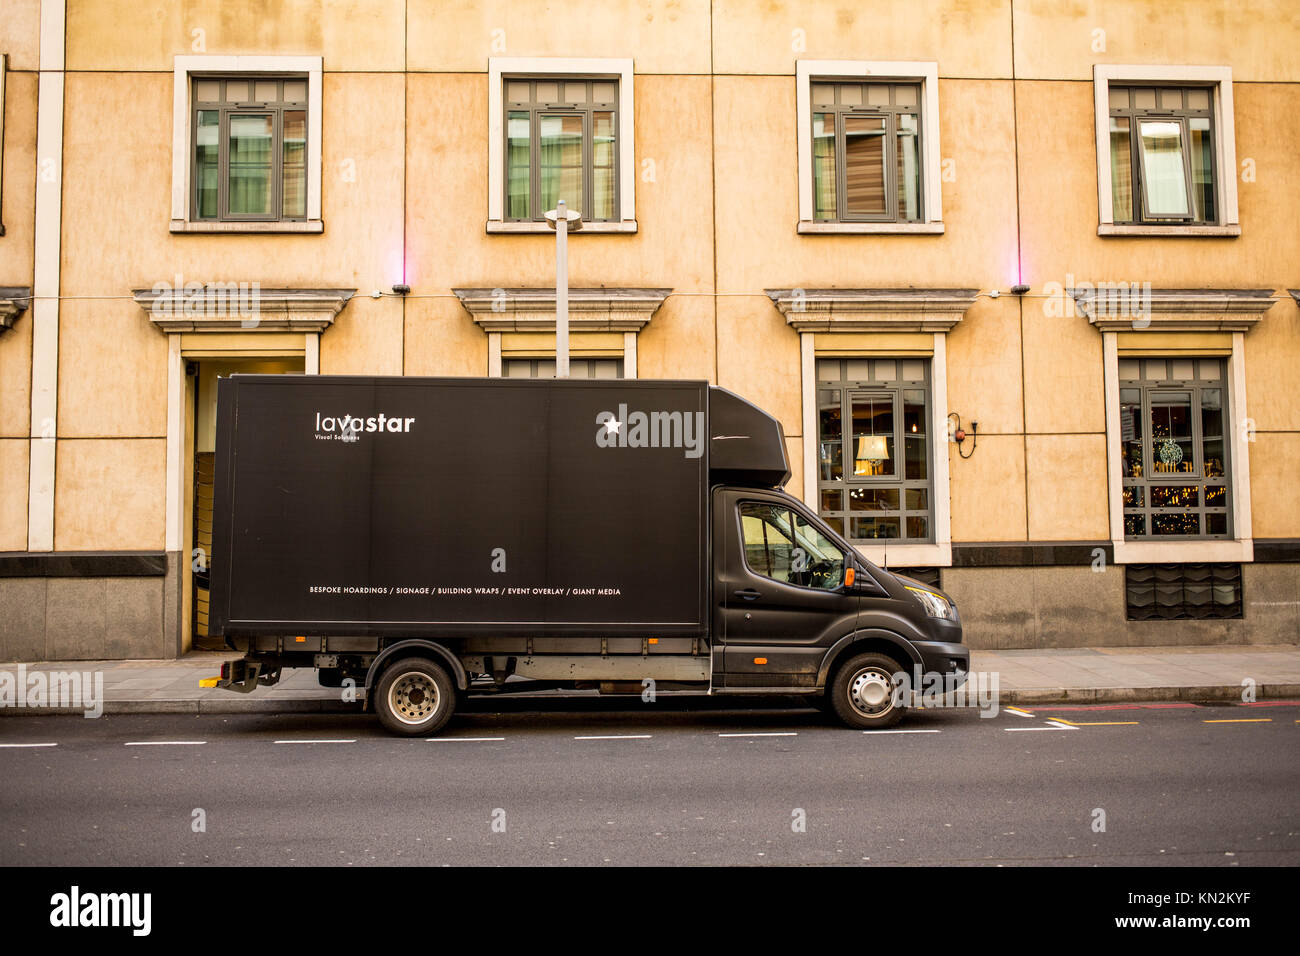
(1110, 674)
(1097, 675)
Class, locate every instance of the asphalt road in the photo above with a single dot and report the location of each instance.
(619, 782)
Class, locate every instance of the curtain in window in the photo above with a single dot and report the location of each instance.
(250, 164)
(1202, 156)
(561, 162)
(207, 164)
(1121, 169)
(518, 146)
(1162, 168)
(824, 166)
(294, 170)
(602, 166)
(909, 167)
(864, 165)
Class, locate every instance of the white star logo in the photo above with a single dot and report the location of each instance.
(612, 426)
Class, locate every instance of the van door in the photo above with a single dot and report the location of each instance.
(779, 586)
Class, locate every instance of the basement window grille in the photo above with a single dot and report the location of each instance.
(1182, 592)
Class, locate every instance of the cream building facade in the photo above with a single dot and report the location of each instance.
(1071, 224)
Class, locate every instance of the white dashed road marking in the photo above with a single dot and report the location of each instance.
(16, 746)
(164, 743)
(316, 741)
(1012, 730)
(901, 731)
(616, 737)
(467, 740)
(779, 734)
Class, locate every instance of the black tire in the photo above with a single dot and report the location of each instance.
(868, 674)
(414, 697)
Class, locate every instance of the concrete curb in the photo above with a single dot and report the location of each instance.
(1125, 695)
(332, 705)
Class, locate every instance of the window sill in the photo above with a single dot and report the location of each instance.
(310, 227)
(1110, 229)
(807, 228)
(931, 555)
(497, 227)
(1201, 550)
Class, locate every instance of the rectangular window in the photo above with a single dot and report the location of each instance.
(561, 143)
(578, 368)
(250, 148)
(874, 463)
(1174, 448)
(1162, 155)
(866, 152)
(1182, 592)
(785, 546)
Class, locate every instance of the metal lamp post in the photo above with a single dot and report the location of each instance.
(562, 219)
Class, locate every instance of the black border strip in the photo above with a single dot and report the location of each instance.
(1277, 550)
(83, 564)
(1023, 554)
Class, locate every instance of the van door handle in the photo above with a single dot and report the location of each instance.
(749, 594)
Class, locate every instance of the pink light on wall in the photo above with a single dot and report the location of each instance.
(397, 267)
(1013, 270)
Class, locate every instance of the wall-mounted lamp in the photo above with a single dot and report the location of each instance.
(959, 433)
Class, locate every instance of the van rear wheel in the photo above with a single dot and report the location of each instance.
(863, 692)
(415, 697)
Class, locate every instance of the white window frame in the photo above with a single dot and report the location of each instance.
(925, 73)
(500, 67)
(1225, 145)
(1151, 550)
(187, 67)
(936, 553)
(497, 359)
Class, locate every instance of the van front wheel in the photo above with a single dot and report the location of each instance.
(863, 692)
(414, 697)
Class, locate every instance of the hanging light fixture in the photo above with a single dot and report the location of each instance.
(872, 450)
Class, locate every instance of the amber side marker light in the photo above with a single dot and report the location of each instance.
(760, 660)
(848, 578)
(300, 640)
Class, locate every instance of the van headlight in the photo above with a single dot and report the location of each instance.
(935, 604)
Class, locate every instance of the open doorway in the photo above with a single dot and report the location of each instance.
(206, 373)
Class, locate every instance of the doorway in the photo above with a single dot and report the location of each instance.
(206, 374)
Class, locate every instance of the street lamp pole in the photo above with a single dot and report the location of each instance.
(561, 219)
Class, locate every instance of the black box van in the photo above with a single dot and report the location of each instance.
(423, 538)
